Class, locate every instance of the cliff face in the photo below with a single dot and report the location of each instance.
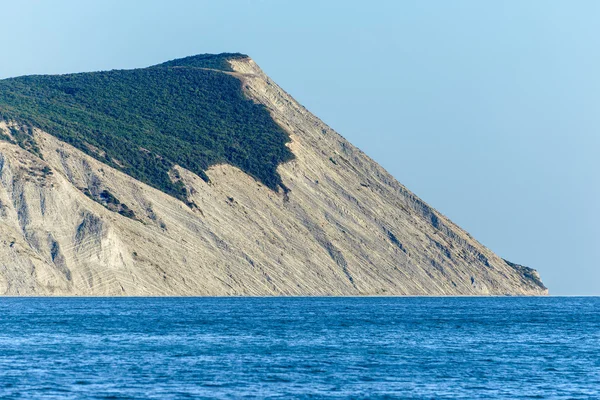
(338, 225)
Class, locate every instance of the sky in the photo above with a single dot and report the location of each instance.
(487, 110)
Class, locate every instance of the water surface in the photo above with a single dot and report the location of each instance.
(454, 348)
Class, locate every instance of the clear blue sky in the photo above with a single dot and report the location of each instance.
(488, 110)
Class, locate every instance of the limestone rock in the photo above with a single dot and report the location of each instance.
(71, 225)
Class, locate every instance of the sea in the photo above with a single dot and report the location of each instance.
(288, 348)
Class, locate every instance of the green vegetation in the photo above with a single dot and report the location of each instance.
(526, 272)
(213, 61)
(24, 138)
(46, 171)
(144, 121)
(108, 200)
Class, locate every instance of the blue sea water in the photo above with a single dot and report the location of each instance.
(417, 348)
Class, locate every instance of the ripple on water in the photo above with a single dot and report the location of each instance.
(459, 348)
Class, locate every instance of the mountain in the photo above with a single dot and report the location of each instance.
(201, 176)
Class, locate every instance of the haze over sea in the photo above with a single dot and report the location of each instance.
(454, 348)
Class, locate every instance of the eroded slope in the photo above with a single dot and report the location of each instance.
(342, 226)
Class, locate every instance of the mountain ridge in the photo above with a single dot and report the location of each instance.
(337, 225)
(143, 121)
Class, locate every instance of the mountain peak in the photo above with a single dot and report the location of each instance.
(144, 121)
(211, 61)
(262, 197)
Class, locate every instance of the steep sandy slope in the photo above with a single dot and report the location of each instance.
(344, 226)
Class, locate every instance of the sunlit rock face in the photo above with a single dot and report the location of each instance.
(332, 223)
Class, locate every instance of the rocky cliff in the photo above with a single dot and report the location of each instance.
(336, 223)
